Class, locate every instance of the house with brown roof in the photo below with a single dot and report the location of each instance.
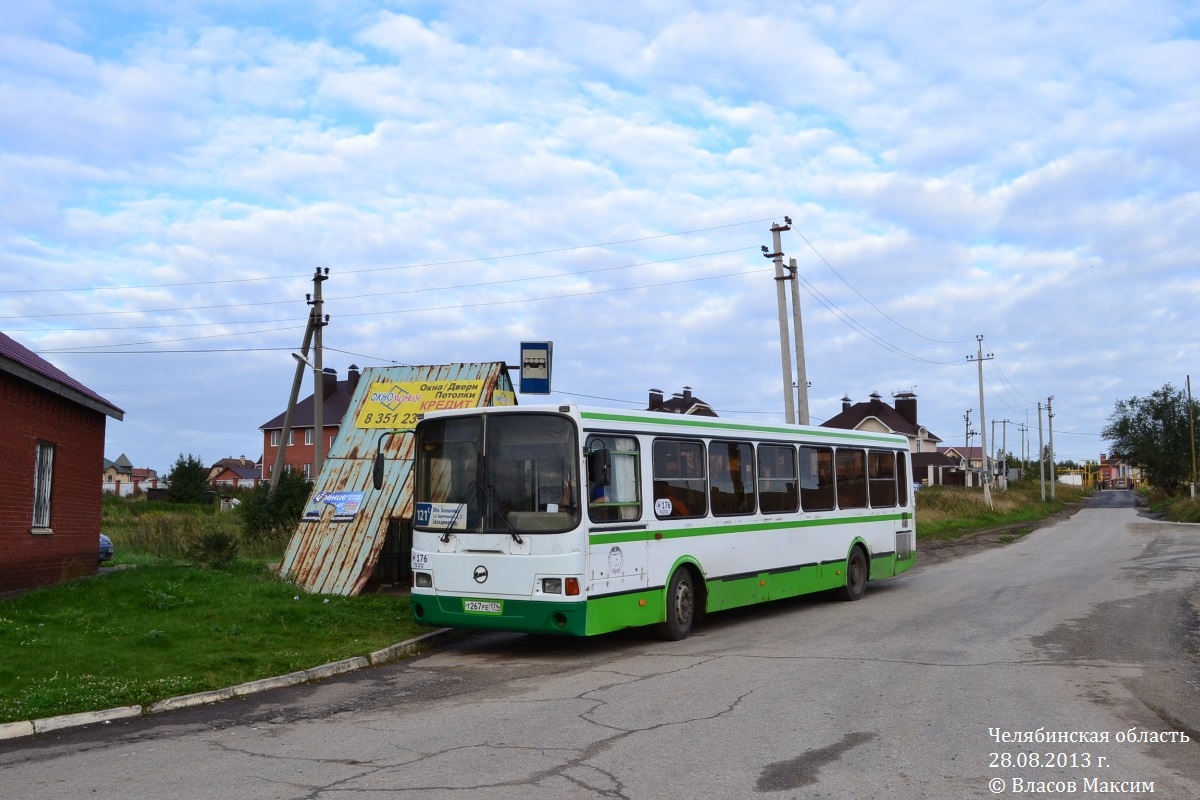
(930, 466)
(235, 473)
(300, 452)
(680, 403)
(52, 439)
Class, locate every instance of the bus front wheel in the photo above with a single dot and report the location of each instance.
(681, 606)
(856, 575)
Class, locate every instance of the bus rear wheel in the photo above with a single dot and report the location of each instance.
(681, 607)
(856, 575)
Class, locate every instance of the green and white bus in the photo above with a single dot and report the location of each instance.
(579, 521)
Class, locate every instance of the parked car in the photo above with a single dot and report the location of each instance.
(106, 548)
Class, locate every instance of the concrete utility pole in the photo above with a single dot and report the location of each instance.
(1041, 455)
(1050, 425)
(319, 321)
(1192, 433)
(1021, 429)
(1004, 453)
(287, 415)
(987, 472)
(785, 351)
(967, 439)
(798, 335)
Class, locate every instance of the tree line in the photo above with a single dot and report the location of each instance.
(1156, 434)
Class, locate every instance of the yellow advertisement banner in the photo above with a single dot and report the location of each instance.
(395, 406)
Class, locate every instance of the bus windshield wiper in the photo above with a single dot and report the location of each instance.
(472, 486)
(490, 492)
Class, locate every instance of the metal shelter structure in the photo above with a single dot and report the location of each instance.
(347, 525)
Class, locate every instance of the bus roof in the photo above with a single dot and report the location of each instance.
(595, 418)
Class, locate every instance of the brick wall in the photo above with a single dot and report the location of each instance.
(29, 414)
(298, 454)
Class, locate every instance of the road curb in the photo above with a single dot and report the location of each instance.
(409, 647)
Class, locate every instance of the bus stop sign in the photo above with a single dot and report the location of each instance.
(535, 367)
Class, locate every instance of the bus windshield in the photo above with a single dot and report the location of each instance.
(499, 473)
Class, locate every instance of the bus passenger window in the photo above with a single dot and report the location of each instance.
(881, 474)
(851, 478)
(777, 478)
(621, 499)
(679, 481)
(731, 478)
(816, 479)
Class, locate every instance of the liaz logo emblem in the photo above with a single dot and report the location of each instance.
(481, 574)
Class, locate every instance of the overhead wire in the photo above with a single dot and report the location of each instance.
(868, 300)
(291, 301)
(392, 268)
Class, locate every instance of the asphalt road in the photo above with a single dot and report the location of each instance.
(1082, 627)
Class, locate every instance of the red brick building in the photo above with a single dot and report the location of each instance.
(301, 448)
(52, 448)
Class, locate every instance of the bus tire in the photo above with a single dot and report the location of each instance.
(681, 606)
(856, 574)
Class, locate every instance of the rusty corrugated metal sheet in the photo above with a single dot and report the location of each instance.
(328, 557)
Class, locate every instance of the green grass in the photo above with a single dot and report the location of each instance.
(161, 630)
(950, 512)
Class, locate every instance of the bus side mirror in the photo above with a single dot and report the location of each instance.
(377, 470)
(599, 465)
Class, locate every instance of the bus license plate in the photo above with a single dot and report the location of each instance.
(483, 606)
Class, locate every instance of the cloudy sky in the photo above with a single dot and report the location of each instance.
(603, 176)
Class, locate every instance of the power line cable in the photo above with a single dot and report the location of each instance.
(383, 269)
(474, 285)
(394, 312)
(868, 301)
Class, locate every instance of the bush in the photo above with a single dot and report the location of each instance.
(1184, 509)
(270, 520)
(188, 481)
(215, 549)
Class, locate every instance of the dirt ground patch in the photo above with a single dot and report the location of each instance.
(937, 551)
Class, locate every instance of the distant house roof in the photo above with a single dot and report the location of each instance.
(242, 467)
(924, 460)
(23, 363)
(336, 400)
(852, 417)
(682, 403)
(970, 453)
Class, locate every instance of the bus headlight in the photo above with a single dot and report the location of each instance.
(551, 585)
(423, 580)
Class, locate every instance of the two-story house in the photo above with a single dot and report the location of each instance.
(301, 448)
(930, 465)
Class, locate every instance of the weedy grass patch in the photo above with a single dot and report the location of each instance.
(950, 512)
(139, 635)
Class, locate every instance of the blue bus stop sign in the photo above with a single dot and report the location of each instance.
(535, 367)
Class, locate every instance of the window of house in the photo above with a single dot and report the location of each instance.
(291, 437)
(308, 435)
(679, 484)
(274, 438)
(731, 478)
(308, 471)
(777, 490)
(43, 484)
